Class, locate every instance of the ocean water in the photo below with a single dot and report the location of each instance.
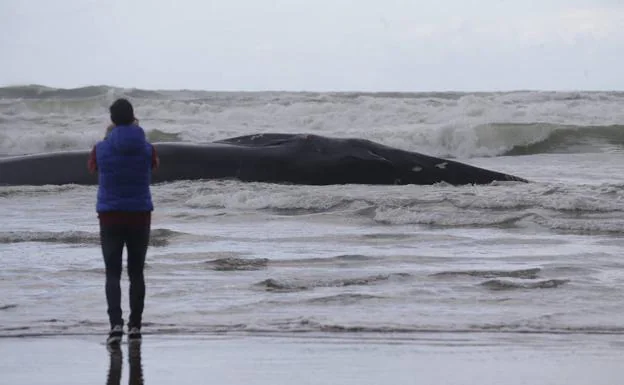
(510, 260)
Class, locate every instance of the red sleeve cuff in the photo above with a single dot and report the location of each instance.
(155, 159)
(92, 163)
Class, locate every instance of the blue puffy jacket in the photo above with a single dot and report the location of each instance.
(124, 162)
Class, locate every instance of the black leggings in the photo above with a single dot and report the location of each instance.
(113, 239)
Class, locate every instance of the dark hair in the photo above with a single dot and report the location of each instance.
(121, 112)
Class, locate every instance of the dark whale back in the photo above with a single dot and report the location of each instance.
(277, 158)
(352, 160)
(42, 169)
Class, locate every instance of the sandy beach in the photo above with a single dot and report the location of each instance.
(430, 359)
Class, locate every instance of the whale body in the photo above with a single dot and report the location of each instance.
(275, 158)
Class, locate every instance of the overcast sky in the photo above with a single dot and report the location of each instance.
(316, 45)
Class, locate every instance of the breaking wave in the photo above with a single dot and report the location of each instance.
(566, 208)
(451, 124)
(552, 138)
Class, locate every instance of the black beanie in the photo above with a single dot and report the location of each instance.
(121, 112)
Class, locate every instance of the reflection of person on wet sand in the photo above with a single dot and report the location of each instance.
(116, 364)
(114, 369)
(136, 367)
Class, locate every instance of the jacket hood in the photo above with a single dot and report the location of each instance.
(127, 139)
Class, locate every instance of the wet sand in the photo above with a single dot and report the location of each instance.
(430, 359)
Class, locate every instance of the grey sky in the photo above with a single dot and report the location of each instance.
(373, 45)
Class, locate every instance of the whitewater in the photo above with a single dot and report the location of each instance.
(37, 119)
(503, 262)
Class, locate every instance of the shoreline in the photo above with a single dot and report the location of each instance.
(238, 359)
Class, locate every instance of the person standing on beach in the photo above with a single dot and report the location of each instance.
(124, 161)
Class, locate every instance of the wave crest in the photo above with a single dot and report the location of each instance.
(158, 237)
(37, 118)
(499, 284)
(272, 284)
